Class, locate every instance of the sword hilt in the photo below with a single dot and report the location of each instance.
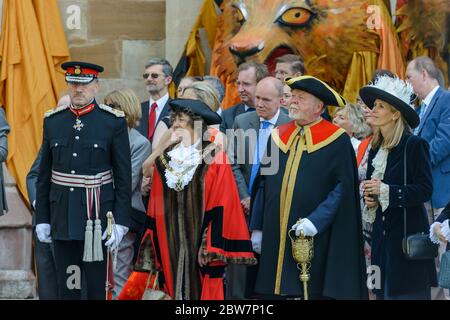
(109, 217)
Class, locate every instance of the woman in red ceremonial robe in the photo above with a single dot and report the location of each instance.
(196, 223)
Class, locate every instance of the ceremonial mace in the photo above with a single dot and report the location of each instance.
(109, 217)
(302, 251)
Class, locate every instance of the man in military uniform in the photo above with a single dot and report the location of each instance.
(85, 171)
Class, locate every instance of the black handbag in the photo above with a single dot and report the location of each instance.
(419, 247)
(416, 246)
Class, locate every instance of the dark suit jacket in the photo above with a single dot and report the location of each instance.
(229, 115)
(142, 126)
(32, 178)
(244, 146)
(435, 129)
(404, 276)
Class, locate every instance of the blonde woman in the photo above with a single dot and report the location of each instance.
(386, 195)
(351, 119)
(126, 101)
(204, 92)
(185, 82)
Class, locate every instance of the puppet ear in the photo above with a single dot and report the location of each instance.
(390, 56)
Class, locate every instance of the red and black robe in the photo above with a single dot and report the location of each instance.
(312, 174)
(206, 214)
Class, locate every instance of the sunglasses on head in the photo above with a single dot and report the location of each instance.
(153, 75)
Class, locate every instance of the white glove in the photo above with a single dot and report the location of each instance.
(117, 234)
(43, 232)
(256, 241)
(309, 230)
(444, 232)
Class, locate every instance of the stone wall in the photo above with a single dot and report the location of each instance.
(16, 275)
(117, 34)
(122, 35)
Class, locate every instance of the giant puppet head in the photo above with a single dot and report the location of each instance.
(334, 37)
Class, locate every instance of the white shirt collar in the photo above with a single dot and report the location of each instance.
(273, 120)
(246, 107)
(355, 143)
(161, 102)
(430, 96)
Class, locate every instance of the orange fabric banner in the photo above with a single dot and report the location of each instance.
(206, 20)
(32, 47)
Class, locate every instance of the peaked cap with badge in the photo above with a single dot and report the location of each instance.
(81, 72)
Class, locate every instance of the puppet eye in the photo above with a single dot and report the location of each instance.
(238, 15)
(295, 17)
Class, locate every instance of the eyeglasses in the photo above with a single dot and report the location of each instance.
(153, 75)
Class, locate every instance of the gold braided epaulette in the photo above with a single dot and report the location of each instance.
(55, 111)
(117, 113)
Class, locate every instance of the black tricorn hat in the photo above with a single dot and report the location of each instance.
(398, 93)
(81, 72)
(317, 88)
(197, 107)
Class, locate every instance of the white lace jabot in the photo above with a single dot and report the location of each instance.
(182, 165)
(379, 165)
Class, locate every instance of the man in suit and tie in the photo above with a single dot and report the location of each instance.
(157, 78)
(249, 74)
(434, 127)
(251, 133)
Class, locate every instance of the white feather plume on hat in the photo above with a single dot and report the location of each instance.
(396, 87)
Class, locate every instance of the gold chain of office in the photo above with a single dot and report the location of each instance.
(179, 184)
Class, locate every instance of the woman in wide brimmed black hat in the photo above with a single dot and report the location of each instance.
(385, 193)
(196, 223)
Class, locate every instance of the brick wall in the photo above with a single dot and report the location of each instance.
(118, 34)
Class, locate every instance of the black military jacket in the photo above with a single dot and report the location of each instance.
(101, 144)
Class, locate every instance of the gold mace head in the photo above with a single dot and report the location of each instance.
(302, 247)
